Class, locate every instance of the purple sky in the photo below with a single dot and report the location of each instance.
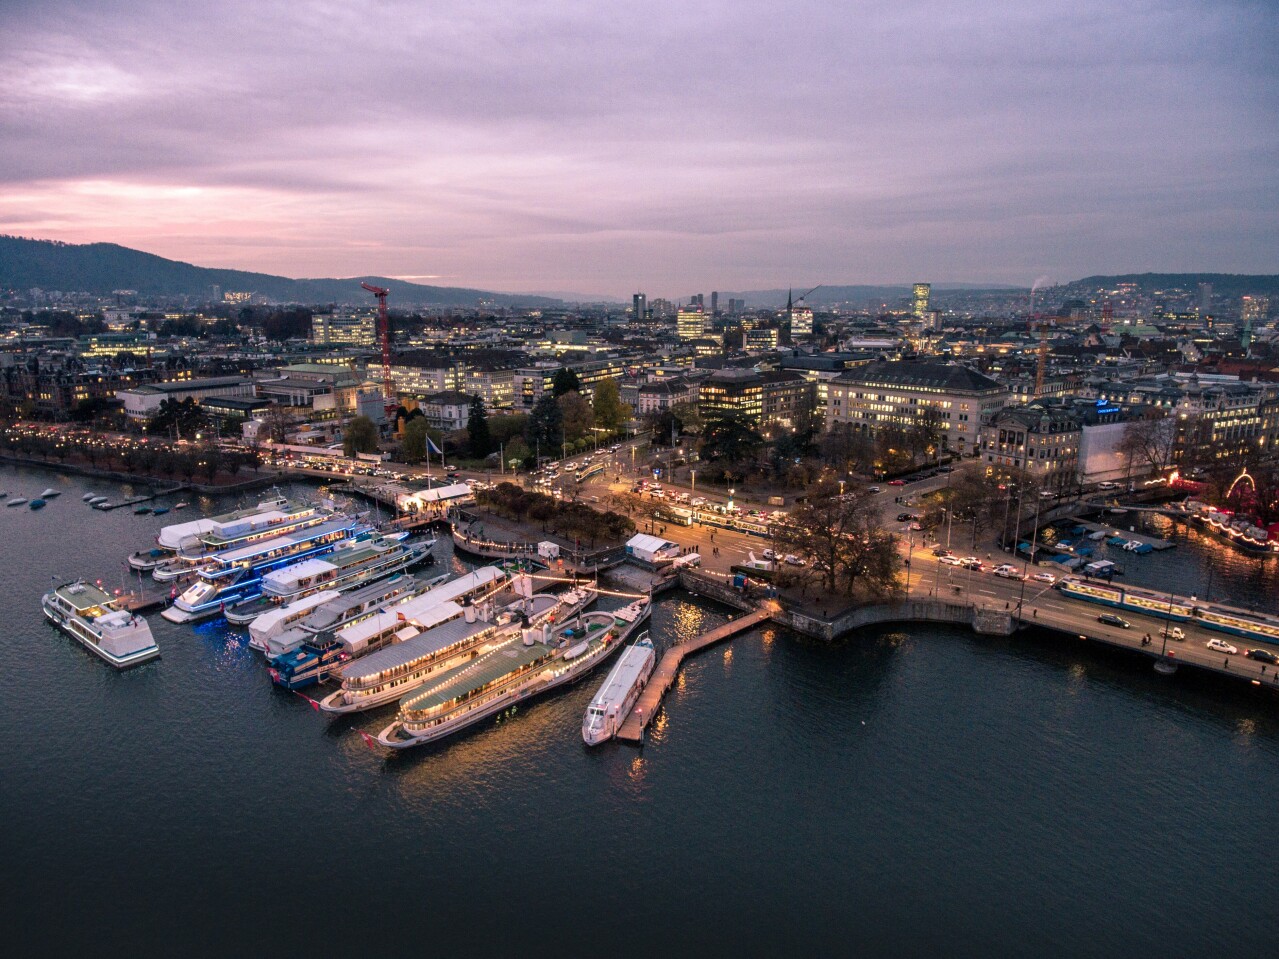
(671, 147)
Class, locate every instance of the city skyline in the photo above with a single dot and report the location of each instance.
(569, 148)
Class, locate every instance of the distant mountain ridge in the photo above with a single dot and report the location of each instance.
(105, 267)
(1223, 284)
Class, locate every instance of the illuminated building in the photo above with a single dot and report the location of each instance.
(690, 324)
(344, 329)
(921, 293)
(951, 398)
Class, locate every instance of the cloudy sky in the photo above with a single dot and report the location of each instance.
(671, 147)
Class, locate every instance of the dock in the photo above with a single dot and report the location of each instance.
(651, 698)
(149, 597)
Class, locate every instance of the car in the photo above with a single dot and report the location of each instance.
(945, 469)
(1044, 578)
(1221, 646)
(1046, 494)
(970, 562)
(1008, 571)
(951, 560)
(940, 551)
(906, 517)
(1110, 619)
(697, 501)
(793, 560)
(452, 474)
(897, 482)
(769, 554)
(1176, 633)
(1262, 656)
(1107, 485)
(874, 489)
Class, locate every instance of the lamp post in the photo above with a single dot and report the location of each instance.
(730, 497)
(909, 555)
(693, 476)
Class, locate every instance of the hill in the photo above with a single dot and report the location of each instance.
(1223, 284)
(105, 267)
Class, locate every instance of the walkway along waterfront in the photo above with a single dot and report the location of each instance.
(1042, 608)
(651, 698)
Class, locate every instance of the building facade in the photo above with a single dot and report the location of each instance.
(950, 398)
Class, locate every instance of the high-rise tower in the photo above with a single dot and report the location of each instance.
(921, 293)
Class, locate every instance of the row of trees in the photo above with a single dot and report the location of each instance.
(572, 520)
(160, 460)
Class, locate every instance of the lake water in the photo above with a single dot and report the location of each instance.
(917, 793)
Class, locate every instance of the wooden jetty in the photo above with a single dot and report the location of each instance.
(651, 698)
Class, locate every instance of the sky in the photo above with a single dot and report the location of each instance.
(666, 147)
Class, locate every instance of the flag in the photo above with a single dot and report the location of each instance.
(431, 447)
(368, 740)
(274, 674)
(314, 705)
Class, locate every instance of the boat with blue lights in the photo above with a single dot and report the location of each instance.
(235, 575)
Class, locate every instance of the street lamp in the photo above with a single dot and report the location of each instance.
(693, 476)
(730, 497)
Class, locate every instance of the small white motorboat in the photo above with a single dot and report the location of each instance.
(181, 505)
(50, 493)
(87, 497)
(17, 501)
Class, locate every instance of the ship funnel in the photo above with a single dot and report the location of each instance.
(468, 611)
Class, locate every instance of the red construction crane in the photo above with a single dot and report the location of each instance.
(384, 334)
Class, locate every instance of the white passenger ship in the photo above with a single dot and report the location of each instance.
(511, 671)
(448, 635)
(96, 620)
(615, 699)
(356, 562)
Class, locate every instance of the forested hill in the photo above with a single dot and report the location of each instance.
(1223, 284)
(105, 267)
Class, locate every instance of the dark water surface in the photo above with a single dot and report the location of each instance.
(905, 794)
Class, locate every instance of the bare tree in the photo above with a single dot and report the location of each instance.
(1147, 444)
(845, 538)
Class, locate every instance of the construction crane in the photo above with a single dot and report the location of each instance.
(384, 335)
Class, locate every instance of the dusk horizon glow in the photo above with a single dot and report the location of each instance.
(666, 148)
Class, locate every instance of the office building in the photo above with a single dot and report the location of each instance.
(344, 329)
(639, 306)
(955, 400)
(921, 294)
(690, 324)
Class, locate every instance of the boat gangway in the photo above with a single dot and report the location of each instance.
(668, 668)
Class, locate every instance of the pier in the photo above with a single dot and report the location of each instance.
(651, 698)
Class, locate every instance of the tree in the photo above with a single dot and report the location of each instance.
(413, 440)
(845, 538)
(477, 427)
(361, 437)
(503, 429)
(731, 439)
(516, 451)
(1147, 444)
(610, 412)
(565, 381)
(576, 415)
(545, 425)
(689, 416)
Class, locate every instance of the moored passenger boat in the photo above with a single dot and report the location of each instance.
(610, 706)
(341, 610)
(509, 672)
(97, 621)
(236, 574)
(354, 563)
(430, 645)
